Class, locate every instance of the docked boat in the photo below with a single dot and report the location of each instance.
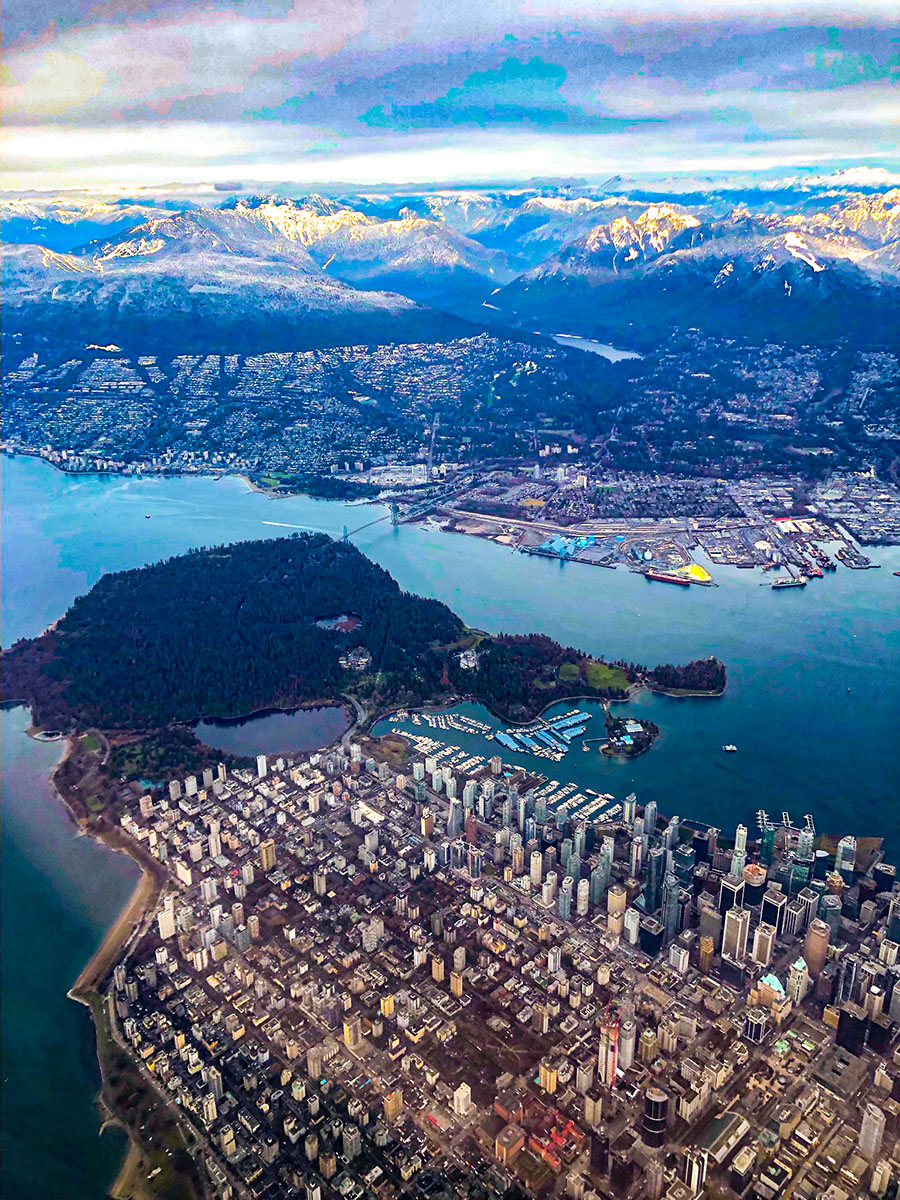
(663, 577)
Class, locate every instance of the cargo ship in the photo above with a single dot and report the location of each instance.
(798, 581)
(662, 577)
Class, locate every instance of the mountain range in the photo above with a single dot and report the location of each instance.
(274, 272)
(776, 277)
(227, 279)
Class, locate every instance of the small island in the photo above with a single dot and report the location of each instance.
(224, 632)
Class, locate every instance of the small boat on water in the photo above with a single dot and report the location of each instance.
(729, 749)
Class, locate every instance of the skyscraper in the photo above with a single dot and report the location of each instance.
(626, 1046)
(656, 861)
(655, 1118)
(599, 881)
(650, 817)
(815, 946)
(845, 859)
(872, 1131)
(608, 1054)
(671, 893)
(798, 980)
(731, 893)
(536, 867)
(737, 929)
(694, 1166)
(763, 944)
(739, 857)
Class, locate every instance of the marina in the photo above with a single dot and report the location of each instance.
(549, 738)
(447, 757)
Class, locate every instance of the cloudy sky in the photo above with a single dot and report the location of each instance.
(120, 92)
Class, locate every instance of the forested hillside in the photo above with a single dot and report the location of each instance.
(227, 631)
(223, 632)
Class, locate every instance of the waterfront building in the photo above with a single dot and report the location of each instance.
(650, 818)
(845, 859)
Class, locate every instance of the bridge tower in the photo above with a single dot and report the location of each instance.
(395, 513)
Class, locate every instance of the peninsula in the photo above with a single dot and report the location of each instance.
(237, 629)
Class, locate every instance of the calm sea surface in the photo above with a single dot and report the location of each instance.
(813, 704)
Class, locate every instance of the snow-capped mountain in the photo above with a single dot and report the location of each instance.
(65, 222)
(795, 277)
(420, 257)
(220, 278)
(341, 268)
(534, 228)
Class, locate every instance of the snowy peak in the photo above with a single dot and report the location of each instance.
(798, 248)
(876, 217)
(307, 224)
(657, 225)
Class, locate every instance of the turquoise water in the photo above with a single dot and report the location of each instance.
(805, 742)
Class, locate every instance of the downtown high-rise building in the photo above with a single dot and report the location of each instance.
(607, 1057)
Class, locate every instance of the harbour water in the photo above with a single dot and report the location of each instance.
(812, 703)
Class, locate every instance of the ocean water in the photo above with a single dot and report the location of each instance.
(60, 893)
(813, 705)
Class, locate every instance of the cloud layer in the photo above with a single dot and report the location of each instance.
(385, 90)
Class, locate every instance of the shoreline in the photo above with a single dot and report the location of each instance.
(139, 906)
(634, 689)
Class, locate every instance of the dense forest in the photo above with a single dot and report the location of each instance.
(702, 675)
(518, 676)
(223, 632)
(227, 631)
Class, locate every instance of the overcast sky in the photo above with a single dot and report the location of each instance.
(119, 93)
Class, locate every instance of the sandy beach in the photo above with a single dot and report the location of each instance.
(141, 902)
